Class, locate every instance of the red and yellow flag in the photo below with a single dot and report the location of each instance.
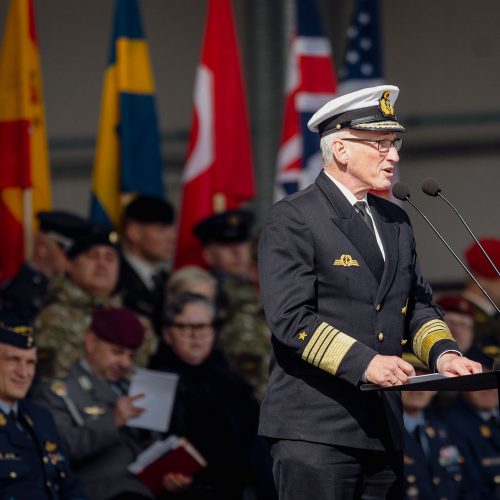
(24, 164)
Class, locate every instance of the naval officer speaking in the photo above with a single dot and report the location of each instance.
(343, 293)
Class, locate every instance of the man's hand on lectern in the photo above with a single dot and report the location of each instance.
(452, 364)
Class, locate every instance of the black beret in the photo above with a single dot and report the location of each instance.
(150, 210)
(63, 227)
(98, 236)
(16, 330)
(232, 226)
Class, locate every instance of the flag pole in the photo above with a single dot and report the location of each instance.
(28, 222)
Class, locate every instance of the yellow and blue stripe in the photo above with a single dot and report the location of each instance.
(128, 157)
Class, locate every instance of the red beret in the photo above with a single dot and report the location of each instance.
(118, 326)
(478, 262)
(456, 303)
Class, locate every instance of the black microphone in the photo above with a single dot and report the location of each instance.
(431, 187)
(402, 192)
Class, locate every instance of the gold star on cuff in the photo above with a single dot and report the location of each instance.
(302, 336)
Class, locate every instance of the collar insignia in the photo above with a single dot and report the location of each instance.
(346, 261)
(3, 420)
(59, 388)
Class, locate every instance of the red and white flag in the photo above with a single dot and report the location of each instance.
(218, 174)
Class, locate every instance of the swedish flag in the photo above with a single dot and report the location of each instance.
(128, 158)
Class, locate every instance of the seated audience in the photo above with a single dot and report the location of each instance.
(26, 291)
(474, 420)
(214, 408)
(486, 319)
(88, 285)
(433, 465)
(33, 461)
(148, 239)
(192, 279)
(91, 407)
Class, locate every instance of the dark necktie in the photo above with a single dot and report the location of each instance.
(423, 439)
(361, 208)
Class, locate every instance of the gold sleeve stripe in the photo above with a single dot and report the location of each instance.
(318, 339)
(427, 335)
(327, 348)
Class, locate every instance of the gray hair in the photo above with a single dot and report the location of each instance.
(326, 144)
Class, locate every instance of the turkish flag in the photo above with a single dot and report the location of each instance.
(218, 174)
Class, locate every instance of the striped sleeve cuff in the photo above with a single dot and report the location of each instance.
(327, 348)
(427, 336)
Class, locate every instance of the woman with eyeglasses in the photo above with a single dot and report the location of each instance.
(214, 408)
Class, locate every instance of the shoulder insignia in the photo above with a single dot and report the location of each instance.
(94, 410)
(346, 261)
(3, 420)
(302, 336)
(50, 446)
(85, 383)
(485, 431)
(59, 388)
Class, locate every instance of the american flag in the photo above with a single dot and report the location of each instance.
(362, 65)
(310, 83)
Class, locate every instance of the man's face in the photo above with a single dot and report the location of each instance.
(192, 336)
(462, 329)
(366, 167)
(229, 258)
(154, 242)
(110, 361)
(483, 400)
(49, 256)
(96, 270)
(17, 369)
(416, 401)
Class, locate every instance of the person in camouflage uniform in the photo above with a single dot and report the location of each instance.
(244, 335)
(72, 299)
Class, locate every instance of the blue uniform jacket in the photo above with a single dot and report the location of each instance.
(33, 464)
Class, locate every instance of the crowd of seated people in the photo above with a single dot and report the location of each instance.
(96, 307)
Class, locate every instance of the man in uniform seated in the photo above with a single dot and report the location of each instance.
(91, 407)
(433, 465)
(27, 289)
(474, 421)
(33, 462)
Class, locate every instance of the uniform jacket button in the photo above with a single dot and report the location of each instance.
(381, 337)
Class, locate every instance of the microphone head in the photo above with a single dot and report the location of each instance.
(401, 191)
(431, 187)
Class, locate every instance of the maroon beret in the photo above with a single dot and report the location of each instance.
(478, 262)
(456, 303)
(118, 326)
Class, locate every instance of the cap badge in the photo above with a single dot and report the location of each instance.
(386, 105)
(346, 261)
(233, 220)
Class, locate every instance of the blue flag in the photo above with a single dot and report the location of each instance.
(128, 158)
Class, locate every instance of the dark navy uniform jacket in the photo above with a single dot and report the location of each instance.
(480, 443)
(25, 292)
(332, 304)
(33, 464)
(435, 474)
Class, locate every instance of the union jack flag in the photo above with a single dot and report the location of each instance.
(311, 82)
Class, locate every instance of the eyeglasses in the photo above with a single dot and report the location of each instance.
(187, 330)
(383, 145)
